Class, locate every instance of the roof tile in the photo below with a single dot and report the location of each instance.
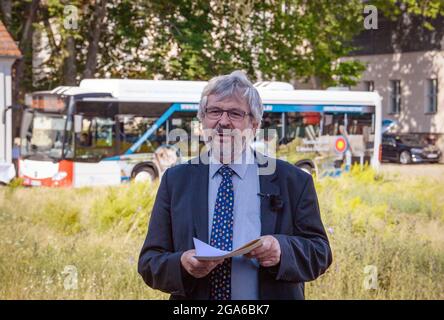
(8, 46)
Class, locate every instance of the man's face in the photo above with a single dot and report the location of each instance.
(228, 133)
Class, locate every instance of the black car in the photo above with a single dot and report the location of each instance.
(408, 149)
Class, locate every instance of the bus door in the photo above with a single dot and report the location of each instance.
(131, 127)
(349, 131)
(95, 139)
(188, 124)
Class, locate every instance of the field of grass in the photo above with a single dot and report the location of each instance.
(392, 223)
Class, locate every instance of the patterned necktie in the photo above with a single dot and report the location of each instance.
(222, 236)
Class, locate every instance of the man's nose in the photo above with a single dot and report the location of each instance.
(224, 120)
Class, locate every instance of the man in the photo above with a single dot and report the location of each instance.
(228, 202)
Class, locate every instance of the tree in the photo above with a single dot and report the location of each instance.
(426, 9)
(271, 39)
(18, 18)
(96, 27)
(304, 39)
(283, 40)
(412, 19)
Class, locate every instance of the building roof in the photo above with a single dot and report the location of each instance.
(8, 47)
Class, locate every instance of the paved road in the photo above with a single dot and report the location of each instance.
(429, 170)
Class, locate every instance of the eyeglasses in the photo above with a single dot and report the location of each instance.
(234, 115)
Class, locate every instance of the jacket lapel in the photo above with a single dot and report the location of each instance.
(268, 185)
(200, 201)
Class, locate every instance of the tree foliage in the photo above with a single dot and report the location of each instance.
(283, 40)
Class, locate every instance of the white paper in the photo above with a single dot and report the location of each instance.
(206, 252)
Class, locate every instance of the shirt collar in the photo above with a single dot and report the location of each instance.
(239, 166)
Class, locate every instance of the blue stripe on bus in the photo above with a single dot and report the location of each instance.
(188, 106)
(194, 107)
(164, 117)
(312, 108)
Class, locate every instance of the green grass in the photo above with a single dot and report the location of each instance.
(396, 225)
(393, 223)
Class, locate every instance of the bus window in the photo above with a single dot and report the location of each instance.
(181, 120)
(193, 128)
(42, 135)
(356, 123)
(97, 138)
(302, 125)
(132, 128)
(360, 123)
(358, 128)
(331, 124)
(104, 132)
(272, 121)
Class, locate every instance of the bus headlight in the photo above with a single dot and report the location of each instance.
(59, 176)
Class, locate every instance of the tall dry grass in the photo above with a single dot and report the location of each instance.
(392, 223)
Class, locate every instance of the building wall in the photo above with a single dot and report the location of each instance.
(412, 69)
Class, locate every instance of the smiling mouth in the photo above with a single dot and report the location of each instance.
(224, 133)
(225, 137)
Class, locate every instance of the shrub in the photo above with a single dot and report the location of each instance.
(61, 215)
(126, 208)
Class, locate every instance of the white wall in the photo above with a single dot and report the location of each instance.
(5, 101)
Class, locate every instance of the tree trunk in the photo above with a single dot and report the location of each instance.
(69, 63)
(94, 38)
(315, 82)
(24, 45)
(6, 8)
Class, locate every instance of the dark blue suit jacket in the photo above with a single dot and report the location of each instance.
(180, 213)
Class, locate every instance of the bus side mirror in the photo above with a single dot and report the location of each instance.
(78, 121)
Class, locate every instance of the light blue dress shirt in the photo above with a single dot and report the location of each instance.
(247, 221)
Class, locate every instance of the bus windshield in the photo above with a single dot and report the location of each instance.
(97, 138)
(42, 135)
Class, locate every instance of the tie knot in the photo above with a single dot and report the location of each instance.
(226, 171)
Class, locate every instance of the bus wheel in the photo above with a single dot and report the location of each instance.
(405, 157)
(144, 174)
(306, 167)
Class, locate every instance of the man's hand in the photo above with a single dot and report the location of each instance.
(268, 253)
(196, 268)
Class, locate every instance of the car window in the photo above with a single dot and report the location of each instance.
(411, 140)
(387, 140)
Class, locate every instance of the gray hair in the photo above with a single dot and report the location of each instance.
(235, 84)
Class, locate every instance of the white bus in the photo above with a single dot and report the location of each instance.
(107, 131)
